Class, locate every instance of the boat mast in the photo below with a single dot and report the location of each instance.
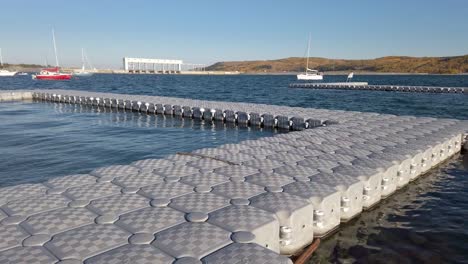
(87, 60)
(82, 60)
(55, 49)
(308, 49)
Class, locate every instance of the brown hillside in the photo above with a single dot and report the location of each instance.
(397, 64)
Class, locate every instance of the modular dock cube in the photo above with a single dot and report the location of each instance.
(293, 213)
(326, 203)
(351, 190)
(371, 178)
(244, 218)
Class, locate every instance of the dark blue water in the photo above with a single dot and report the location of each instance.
(423, 223)
(273, 89)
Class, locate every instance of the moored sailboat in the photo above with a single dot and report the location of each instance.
(52, 73)
(310, 74)
(83, 72)
(5, 73)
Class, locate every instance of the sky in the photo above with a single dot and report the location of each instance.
(208, 31)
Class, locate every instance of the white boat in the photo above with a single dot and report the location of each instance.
(313, 75)
(5, 73)
(83, 72)
(350, 76)
(310, 74)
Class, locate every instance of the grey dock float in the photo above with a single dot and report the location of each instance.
(258, 201)
(388, 88)
(15, 95)
(281, 117)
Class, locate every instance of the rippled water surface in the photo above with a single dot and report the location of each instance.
(273, 89)
(426, 222)
(44, 140)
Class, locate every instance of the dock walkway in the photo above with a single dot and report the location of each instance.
(259, 200)
(387, 88)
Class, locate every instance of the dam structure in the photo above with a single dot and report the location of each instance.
(259, 201)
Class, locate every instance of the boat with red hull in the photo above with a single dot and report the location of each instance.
(52, 74)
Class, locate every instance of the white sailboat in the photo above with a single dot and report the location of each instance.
(83, 72)
(350, 76)
(310, 74)
(5, 73)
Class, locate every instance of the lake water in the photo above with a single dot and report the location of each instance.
(423, 223)
(272, 89)
(44, 140)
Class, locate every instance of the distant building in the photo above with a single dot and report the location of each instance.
(142, 65)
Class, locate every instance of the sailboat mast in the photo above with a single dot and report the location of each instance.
(82, 59)
(55, 49)
(308, 50)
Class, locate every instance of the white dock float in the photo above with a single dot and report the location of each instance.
(244, 218)
(326, 203)
(351, 193)
(16, 95)
(294, 215)
(258, 199)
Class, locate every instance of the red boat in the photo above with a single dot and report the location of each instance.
(52, 74)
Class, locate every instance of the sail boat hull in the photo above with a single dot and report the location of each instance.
(83, 74)
(60, 76)
(310, 77)
(52, 74)
(4, 73)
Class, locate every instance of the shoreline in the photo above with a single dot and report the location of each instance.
(355, 73)
(211, 73)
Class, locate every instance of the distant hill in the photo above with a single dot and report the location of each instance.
(21, 67)
(390, 64)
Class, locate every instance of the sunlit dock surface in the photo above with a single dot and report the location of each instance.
(258, 200)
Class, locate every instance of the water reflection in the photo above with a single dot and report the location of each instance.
(465, 161)
(423, 223)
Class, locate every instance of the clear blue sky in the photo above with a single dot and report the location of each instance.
(217, 30)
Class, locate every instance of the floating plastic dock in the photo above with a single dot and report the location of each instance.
(258, 201)
(388, 88)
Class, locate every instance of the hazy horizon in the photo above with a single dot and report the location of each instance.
(211, 31)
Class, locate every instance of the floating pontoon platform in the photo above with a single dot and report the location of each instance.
(389, 88)
(257, 201)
